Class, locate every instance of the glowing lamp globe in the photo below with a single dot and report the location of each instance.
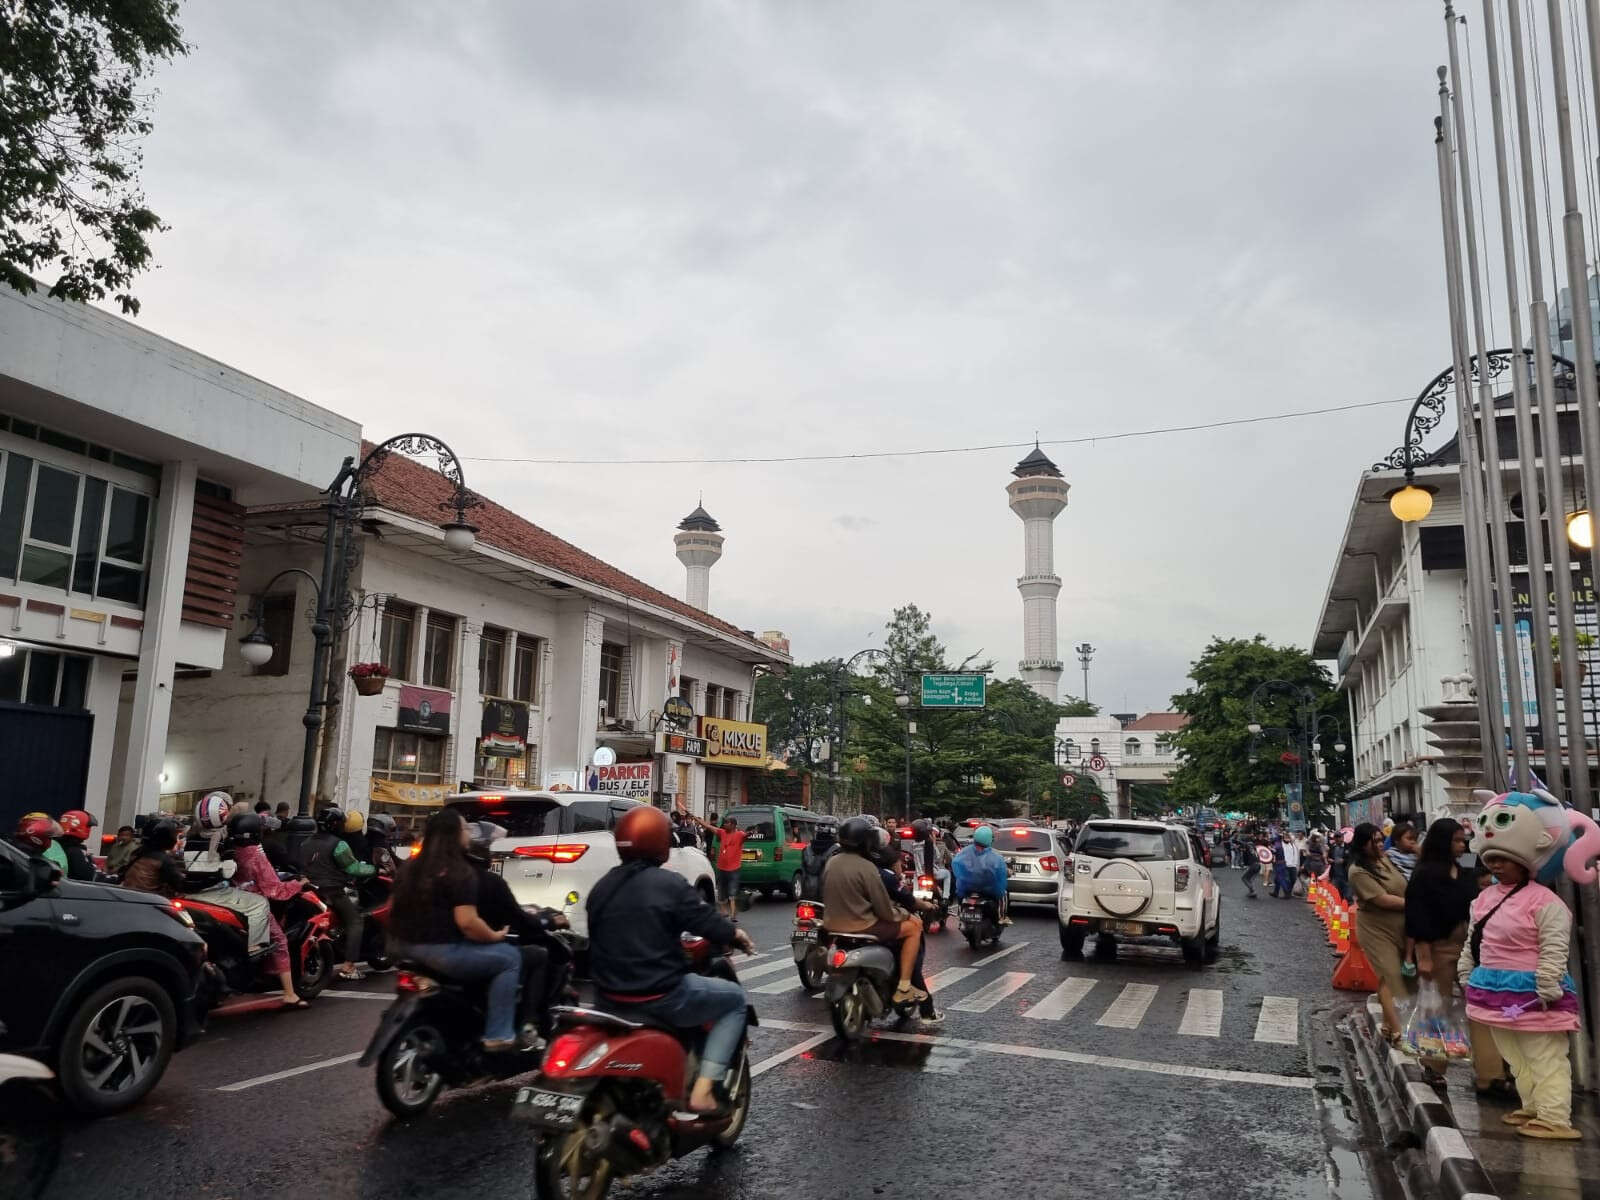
(1580, 529)
(1410, 504)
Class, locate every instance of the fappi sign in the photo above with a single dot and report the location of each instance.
(633, 779)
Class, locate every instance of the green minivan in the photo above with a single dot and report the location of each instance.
(775, 834)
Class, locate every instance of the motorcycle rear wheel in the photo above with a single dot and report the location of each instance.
(406, 1085)
(811, 978)
(850, 1015)
(562, 1171)
(312, 974)
(740, 1097)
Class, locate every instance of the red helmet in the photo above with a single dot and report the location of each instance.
(75, 823)
(644, 833)
(35, 832)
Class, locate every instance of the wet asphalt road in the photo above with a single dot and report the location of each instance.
(1139, 1077)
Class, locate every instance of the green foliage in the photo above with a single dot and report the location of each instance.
(1215, 745)
(70, 118)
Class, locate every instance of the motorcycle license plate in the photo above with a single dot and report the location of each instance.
(553, 1110)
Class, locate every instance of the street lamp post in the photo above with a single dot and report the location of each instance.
(847, 667)
(1304, 732)
(1085, 652)
(343, 506)
(902, 700)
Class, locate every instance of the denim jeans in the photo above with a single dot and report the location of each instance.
(696, 1000)
(499, 963)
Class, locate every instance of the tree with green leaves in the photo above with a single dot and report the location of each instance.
(1216, 745)
(71, 116)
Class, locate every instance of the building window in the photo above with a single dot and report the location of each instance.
(686, 690)
(44, 678)
(61, 529)
(713, 700)
(610, 680)
(1131, 748)
(277, 622)
(496, 771)
(719, 790)
(525, 670)
(407, 757)
(732, 705)
(1094, 745)
(394, 641)
(491, 661)
(438, 651)
(1164, 745)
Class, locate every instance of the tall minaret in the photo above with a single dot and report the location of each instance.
(699, 543)
(1038, 494)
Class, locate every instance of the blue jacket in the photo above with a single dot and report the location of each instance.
(979, 870)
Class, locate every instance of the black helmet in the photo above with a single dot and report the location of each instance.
(244, 829)
(483, 834)
(381, 823)
(161, 834)
(331, 820)
(922, 827)
(858, 836)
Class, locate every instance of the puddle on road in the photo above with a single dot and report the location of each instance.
(905, 1056)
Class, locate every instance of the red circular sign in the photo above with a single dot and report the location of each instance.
(1097, 763)
(1068, 779)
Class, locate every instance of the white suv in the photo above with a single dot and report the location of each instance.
(1139, 879)
(558, 843)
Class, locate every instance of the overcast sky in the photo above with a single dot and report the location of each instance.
(595, 229)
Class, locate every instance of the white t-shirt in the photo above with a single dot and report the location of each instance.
(1291, 853)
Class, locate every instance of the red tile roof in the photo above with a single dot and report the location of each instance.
(406, 486)
(1167, 722)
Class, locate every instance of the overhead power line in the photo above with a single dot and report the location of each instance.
(846, 455)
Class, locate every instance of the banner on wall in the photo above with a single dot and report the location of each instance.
(632, 779)
(734, 742)
(424, 710)
(411, 795)
(505, 729)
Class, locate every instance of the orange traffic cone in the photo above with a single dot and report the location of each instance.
(1334, 918)
(1354, 973)
(1343, 944)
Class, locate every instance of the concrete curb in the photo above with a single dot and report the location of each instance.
(1450, 1160)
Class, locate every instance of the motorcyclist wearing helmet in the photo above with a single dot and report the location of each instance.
(76, 826)
(35, 836)
(382, 836)
(333, 868)
(856, 901)
(436, 922)
(931, 856)
(253, 872)
(980, 868)
(355, 836)
(824, 845)
(544, 959)
(887, 857)
(155, 868)
(637, 913)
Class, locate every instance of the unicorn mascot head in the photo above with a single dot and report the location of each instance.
(1538, 831)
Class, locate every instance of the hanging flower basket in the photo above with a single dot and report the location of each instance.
(369, 678)
(1289, 758)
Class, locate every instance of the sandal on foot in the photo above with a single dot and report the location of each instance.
(906, 994)
(351, 976)
(1545, 1129)
(1520, 1117)
(295, 1005)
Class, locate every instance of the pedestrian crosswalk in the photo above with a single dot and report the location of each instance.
(1187, 1012)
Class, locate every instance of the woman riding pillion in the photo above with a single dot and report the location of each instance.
(253, 872)
(637, 914)
(435, 920)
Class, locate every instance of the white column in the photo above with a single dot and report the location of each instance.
(104, 696)
(158, 644)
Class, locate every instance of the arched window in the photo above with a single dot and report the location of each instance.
(1131, 748)
(1094, 745)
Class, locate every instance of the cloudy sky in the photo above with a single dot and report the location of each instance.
(622, 230)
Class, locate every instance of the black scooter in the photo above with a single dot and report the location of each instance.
(980, 921)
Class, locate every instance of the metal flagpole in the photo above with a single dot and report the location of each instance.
(1577, 751)
(1532, 524)
(1495, 501)
(1480, 604)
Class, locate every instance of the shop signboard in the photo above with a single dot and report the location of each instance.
(424, 710)
(410, 795)
(734, 742)
(505, 729)
(1588, 666)
(631, 779)
(677, 714)
(681, 744)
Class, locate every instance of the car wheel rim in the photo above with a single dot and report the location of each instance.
(121, 1045)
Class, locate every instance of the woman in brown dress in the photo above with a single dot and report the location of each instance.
(1380, 919)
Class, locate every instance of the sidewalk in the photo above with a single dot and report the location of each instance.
(1447, 1143)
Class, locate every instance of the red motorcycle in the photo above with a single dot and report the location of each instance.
(232, 967)
(611, 1097)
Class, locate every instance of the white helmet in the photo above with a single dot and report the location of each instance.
(212, 810)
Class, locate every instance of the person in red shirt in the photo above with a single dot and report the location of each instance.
(730, 856)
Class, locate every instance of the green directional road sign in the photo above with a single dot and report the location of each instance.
(965, 690)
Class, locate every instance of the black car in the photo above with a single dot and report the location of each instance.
(100, 981)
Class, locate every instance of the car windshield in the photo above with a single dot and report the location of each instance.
(1123, 841)
(1019, 838)
(534, 817)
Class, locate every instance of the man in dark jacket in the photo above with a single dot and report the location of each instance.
(334, 870)
(545, 960)
(637, 913)
(823, 846)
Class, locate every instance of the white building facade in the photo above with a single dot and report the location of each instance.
(1133, 749)
(126, 462)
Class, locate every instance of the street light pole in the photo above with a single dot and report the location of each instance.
(1085, 652)
(902, 700)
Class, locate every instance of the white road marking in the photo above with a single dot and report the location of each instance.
(1047, 1054)
(1202, 1016)
(290, 1073)
(1128, 1009)
(795, 1051)
(948, 976)
(356, 996)
(1279, 1021)
(992, 993)
(1062, 1000)
(770, 968)
(777, 989)
(983, 962)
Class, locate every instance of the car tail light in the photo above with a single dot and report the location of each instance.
(1049, 863)
(563, 1052)
(1019, 831)
(837, 959)
(1180, 878)
(805, 912)
(561, 852)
